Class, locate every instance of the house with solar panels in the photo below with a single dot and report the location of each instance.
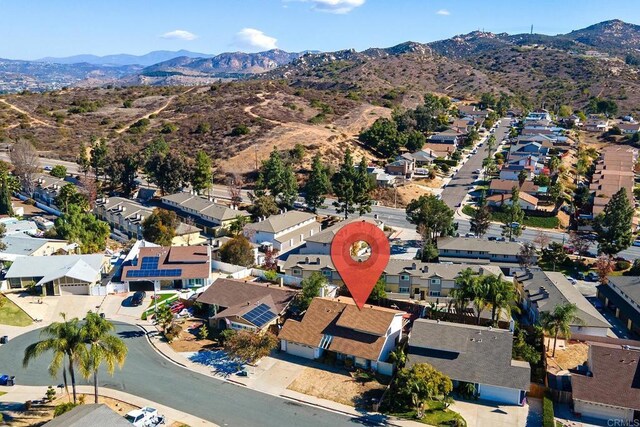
(177, 267)
(240, 305)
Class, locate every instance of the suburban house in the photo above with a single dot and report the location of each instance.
(47, 187)
(236, 304)
(608, 390)
(177, 266)
(213, 218)
(320, 243)
(283, 232)
(463, 125)
(338, 327)
(60, 274)
(125, 218)
(526, 201)
(420, 158)
(538, 115)
(447, 137)
(512, 172)
(401, 167)
(22, 245)
(471, 354)
(404, 277)
(542, 291)
(90, 414)
(504, 186)
(479, 251)
(596, 123)
(527, 149)
(621, 295)
(614, 170)
(629, 128)
(382, 178)
(443, 150)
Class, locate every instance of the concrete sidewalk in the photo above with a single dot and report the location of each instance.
(21, 393)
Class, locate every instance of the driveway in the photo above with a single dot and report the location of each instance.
(482, 414)
(149, 375)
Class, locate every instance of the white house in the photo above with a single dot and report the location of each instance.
(285, 231)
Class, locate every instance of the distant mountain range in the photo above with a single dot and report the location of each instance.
(615, 38)
(125, 59)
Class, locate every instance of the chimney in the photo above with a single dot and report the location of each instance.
(413, 266)
(306, 260)
(318, 260)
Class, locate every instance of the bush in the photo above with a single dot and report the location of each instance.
(240, 130)
(622, 265)
(226, 335)
(51, 393)
(271, 276)
(547, 412)
(172, 332)
(62, 408)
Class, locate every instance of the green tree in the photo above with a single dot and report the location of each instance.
(170, 171)
(554, 254)
(58, 171)
(6, 207)
(513, 215)
(262, 206)
(556, 190)
(78, 226)
(463, 292)
(522, 176)
(554, 163)
(121, 166)
(237, 225)
(103, 347)
(343, 184)
(429, 251)
(160, 227)
(278, 178)
(431, 216)
(237, 251)
(202, 177)
(379, 291)
(362, 188)
(565, 111)
(83, 159)
(250, 346)
(614, 225)
(559, 321)
(522, 350)
(98, 160)
(481, 218)
(383, 137)
(473, 136)
(528, 255)
(311, 287)
(64, 342)
(317, 185)
(500, 295)
(415, 140)
(487, 100)
(68, 196)
(421, 382)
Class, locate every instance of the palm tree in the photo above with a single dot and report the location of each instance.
(102, 347)
(64, 339)
(559, 321)
(502, 294)
(462, 293)
(480, 298)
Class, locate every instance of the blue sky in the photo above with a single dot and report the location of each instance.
(32, 29)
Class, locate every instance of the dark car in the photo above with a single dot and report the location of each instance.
(138, 297)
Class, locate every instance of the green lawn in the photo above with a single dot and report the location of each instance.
(436, 415)
(11, 314)
(529, 221)
(2, 392)
(161, 297)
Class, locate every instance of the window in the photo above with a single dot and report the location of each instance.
(435, 281)
(296, 272)
(403, 290)
(469, 252)
(327, 273)
(434, 293)
(404, 277)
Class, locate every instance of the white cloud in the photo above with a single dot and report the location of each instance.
(335, 6)
(250, 38)
(443, 12)
(179, 35)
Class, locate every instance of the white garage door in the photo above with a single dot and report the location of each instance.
(300, 350)
(74, 290)
(499, 394)
(586, 409)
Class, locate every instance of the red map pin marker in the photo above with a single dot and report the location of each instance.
(360, 276)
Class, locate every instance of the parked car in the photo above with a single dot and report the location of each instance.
(469, 235)
(501, 239)
(636, 242)
(572, 280)
(477, 171)
(492, 238)
(144, 417)
(138, 297)
(592, 276)
(47, 168)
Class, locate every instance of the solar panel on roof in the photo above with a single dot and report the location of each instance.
(260, 315)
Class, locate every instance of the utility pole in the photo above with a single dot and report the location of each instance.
(531, 28)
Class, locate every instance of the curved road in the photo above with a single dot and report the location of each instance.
(149, 375)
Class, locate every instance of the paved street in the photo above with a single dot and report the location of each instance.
(460, 184)
(150, 376)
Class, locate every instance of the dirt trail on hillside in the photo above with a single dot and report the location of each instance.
(331, 139)
(21, 111)
(156, 111)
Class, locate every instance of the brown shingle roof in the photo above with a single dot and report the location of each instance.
(230, 293)
(324, 317)
(615, 380)
(193, 261)
(507, 185)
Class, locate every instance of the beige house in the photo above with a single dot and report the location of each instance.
(22, 245)
(404, 277)
(283, 232)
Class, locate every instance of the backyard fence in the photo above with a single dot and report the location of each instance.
(235, 271)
